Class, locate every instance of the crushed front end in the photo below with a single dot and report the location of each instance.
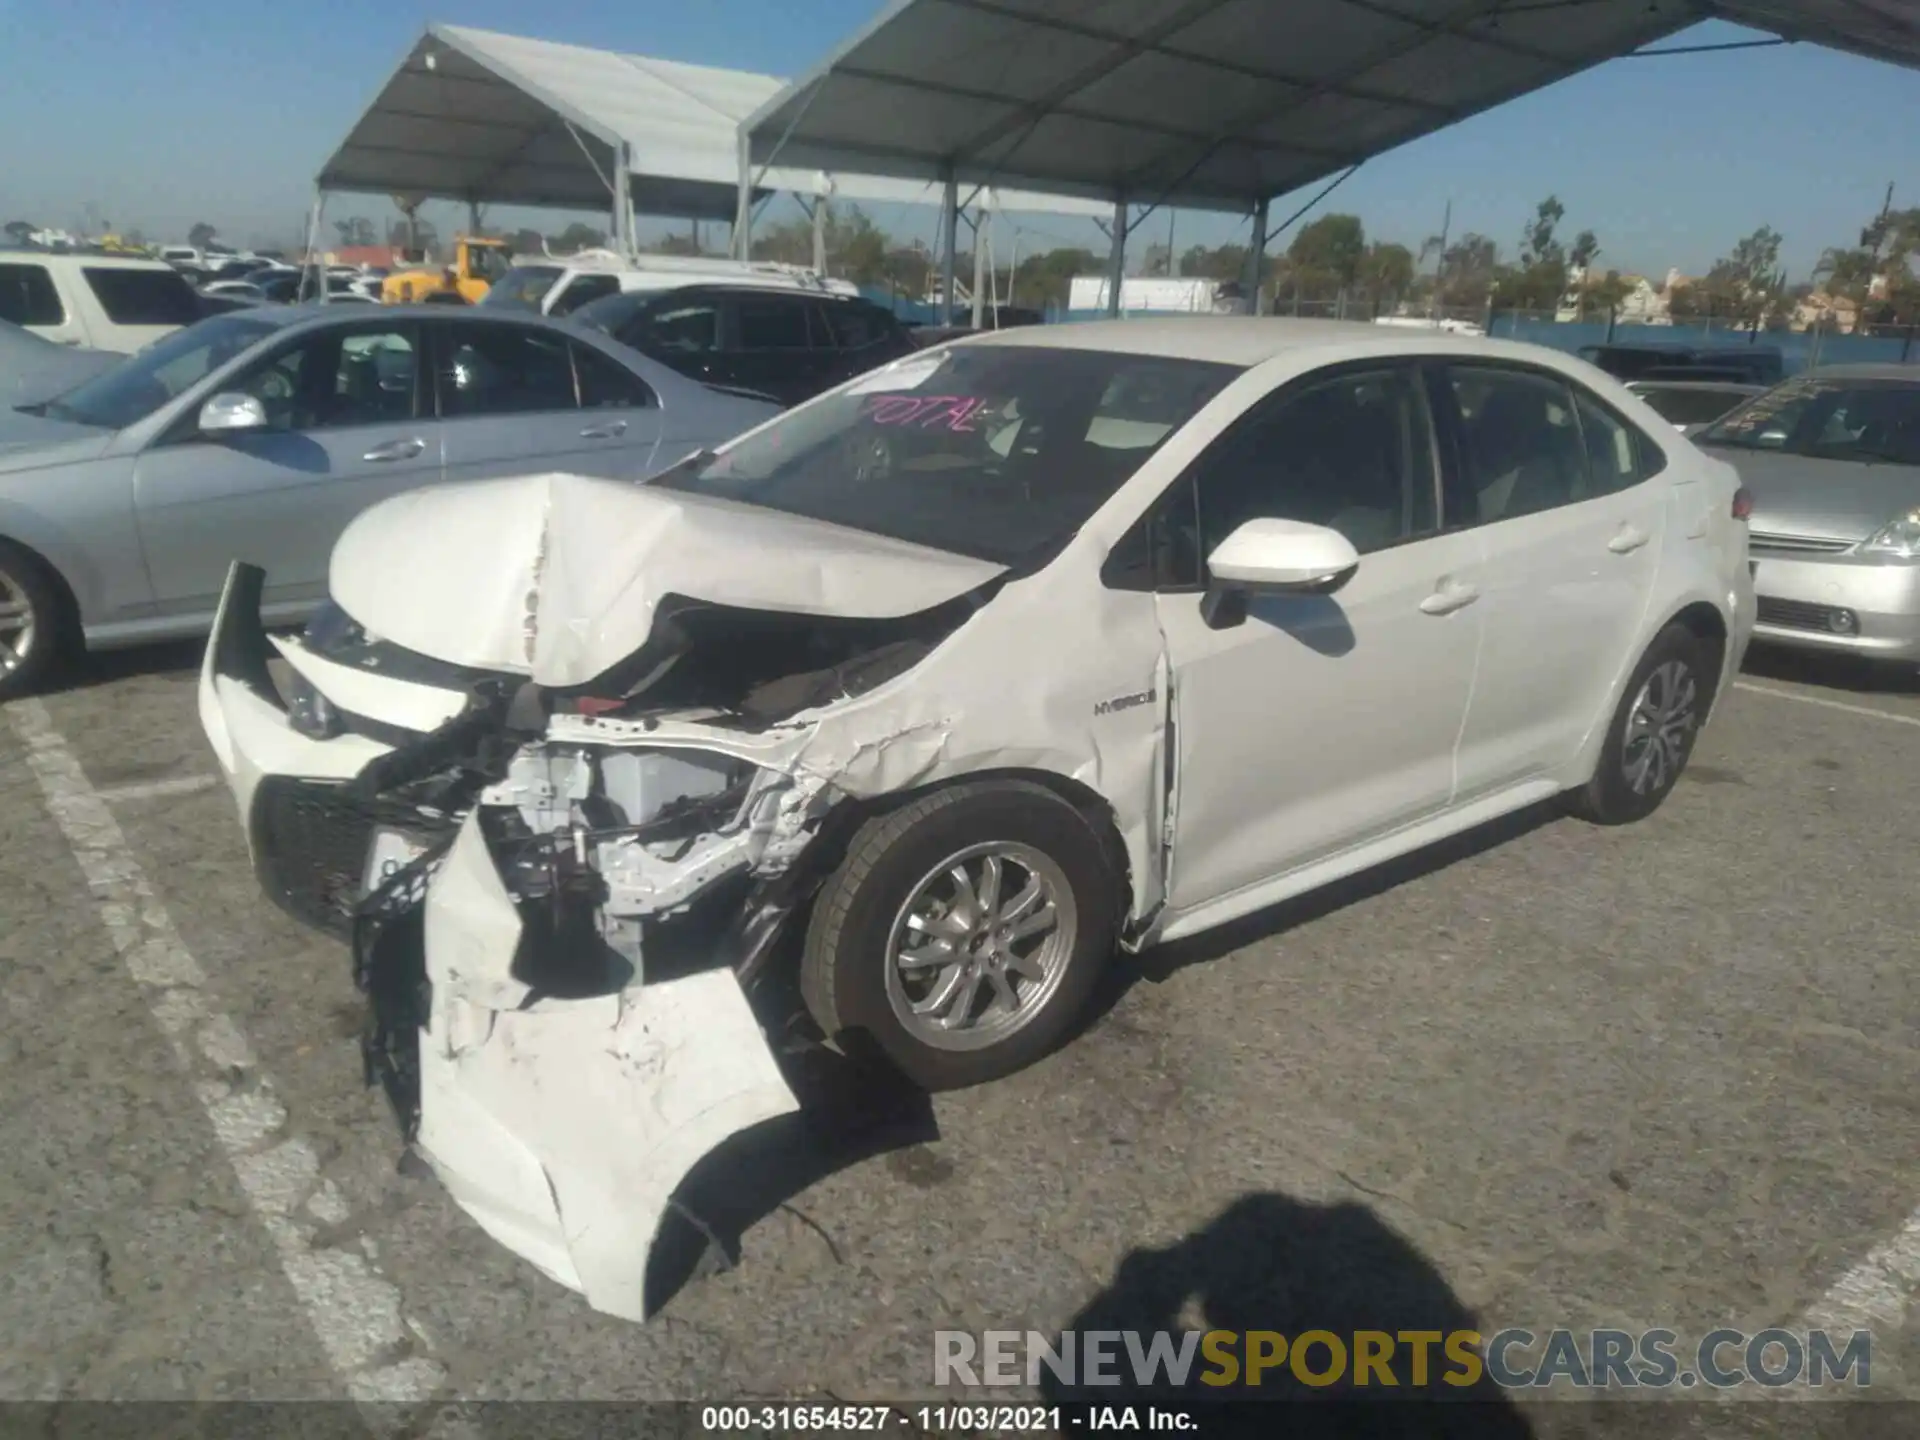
(552, 934)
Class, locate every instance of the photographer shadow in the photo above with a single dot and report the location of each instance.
(1270, 1263)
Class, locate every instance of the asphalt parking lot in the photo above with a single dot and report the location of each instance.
(1661, 1075)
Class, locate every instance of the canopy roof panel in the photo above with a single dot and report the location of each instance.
(1219, 104)
(476, 115)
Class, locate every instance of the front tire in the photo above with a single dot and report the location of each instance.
(964, 933)
(1652, 733)
(30, 618)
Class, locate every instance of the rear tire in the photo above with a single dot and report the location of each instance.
(31, 621)
(960, 983)
(1652, 734)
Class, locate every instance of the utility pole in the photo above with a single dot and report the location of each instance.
(1440, 260)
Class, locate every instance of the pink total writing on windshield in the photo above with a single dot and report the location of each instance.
(926, 412)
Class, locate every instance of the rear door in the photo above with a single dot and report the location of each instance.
(1564, 493)
(857, 338)
(772, 347)
(349, 423)
(519, 399)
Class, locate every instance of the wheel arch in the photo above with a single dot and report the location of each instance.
(779, 907)
(69, 621)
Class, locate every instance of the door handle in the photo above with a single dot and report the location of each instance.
(613, 430)
(396, 449)
(1449, 597)
(1629, 539)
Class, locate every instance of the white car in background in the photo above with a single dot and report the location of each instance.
(103, 302)
(1049, 641)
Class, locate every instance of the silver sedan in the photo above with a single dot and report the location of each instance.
(264, 431)
(1832, 460)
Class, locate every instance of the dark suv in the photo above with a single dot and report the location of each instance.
(787, 345)
(1659, 360)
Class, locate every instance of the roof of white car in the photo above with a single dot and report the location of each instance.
(1244, 339)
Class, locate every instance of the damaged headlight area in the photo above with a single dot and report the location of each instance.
(623, 867)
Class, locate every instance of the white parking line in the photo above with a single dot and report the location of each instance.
(1877, 1291)
(354, 1309)
(1825, 703)
(155, 789)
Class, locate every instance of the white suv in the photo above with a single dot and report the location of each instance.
(1047, 642)
(559, 285)
(105, 302)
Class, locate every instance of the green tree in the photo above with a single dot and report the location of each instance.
(1468, 270)
(1325, 256)
(1877, 274)
(1607, 293)
(1538, 279)
(355, 230)
(1044, 279)
(527, 241)
(1218, 262)
(200, 233)
(1386, 274)
(18, 230)
(1745, 285)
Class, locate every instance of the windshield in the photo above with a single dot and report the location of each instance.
(1688, 405)
(993, 451)
(1829, 419)
(142, 383)
(523, 287)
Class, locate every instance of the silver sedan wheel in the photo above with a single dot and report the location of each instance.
(17, 628)
(1659, 726)
(980, 946)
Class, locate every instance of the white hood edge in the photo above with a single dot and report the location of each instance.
(557, 577)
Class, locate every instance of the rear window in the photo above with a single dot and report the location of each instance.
(27, 296)
(523, 287)
(583, 290)
(854, 327)
(142, 297)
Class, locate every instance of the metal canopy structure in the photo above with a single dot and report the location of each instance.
(1218, 104)
(487, 118)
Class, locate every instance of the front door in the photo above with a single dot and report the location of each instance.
(1319, 721)
(1561, 491)
(348, 425)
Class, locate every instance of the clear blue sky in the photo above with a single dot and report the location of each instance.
(160, 114)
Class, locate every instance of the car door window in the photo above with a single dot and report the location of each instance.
(1522, 449)
(605, 384)
(855, 327)
(335, 380)
(503, 370)
(1619, 456)
(776, 323)
(1353, 452)
(683, 329)
(27, 296)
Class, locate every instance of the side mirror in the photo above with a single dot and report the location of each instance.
(1274, 557)
(229, 413)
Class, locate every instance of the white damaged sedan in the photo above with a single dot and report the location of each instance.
(1047, 643)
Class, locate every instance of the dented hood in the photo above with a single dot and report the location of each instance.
(558, 577)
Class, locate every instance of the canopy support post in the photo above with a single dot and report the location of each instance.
(982, 218)
(622, 200)
(740, 246)
(1117, 260)
(823, 187)
(949, 244)
(312, 264)
(1256, 257)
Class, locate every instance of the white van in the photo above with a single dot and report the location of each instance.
(105, 302)
(560, 284)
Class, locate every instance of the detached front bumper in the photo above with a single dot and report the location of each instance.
(563, 1126)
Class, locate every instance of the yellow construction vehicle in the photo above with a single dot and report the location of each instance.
(477, 263)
